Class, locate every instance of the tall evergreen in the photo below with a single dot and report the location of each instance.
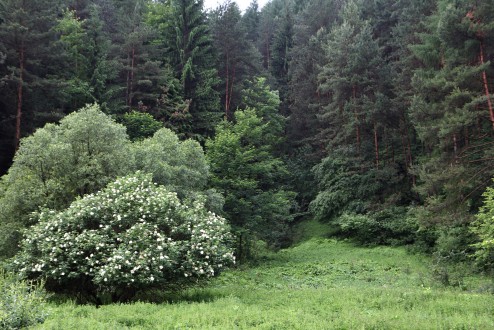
(355, 80)
(191, 55)
(238, 59)
(452, 109)
(26, 35)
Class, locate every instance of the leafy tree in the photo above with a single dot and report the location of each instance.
(61, 162)
(266, 102)
(178, 165)
(133, 235)
(77, 60)
(245, 171)
(140, 125)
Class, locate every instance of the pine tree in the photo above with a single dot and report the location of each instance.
(250, 21)
(237, 57)
(452, 108)
(26, 36)
(355, 80)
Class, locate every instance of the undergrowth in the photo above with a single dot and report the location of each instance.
(320, 283)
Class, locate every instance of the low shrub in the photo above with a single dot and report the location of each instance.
(22, 303)
(389, 227)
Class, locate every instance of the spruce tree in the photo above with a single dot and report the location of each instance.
(191, 53)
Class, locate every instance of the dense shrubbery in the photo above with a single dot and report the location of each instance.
(132, 235)
(140, 125)
(59, 163)
(22, 303)
(389, 226)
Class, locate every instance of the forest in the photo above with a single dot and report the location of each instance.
(152, 144)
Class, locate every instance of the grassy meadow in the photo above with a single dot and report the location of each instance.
(318, 284)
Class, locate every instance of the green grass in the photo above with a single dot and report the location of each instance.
(319, 284)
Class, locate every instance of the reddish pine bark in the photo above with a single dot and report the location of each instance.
(486, 85)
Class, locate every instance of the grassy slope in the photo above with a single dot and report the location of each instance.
(319, 284)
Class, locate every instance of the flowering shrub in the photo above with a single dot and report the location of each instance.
(132, 235)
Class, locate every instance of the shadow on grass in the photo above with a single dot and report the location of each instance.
(155, 296)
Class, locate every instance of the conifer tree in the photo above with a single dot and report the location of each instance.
(192, 58)
(237, 57)
(452, 108)
(26, 35)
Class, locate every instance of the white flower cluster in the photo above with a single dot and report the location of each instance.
(131, 234)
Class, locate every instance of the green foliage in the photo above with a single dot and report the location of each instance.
(132, 235)
(245, 170)
(83, 154)
(483, 227)
(449, 109)
(140, 125)
(22, 303)
(61, 162)
(390, 226)
(345, 187)
(266, 103)
(179, 165)
(190, 53)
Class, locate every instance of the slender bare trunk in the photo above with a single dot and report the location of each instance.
(19, 97)
(455, 147)
(231, 87)
(227, 103)
(354, 91)
(486, 85)
(376, 145)
(132, 65)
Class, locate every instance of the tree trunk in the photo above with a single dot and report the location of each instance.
(132, 65)
(354, 90)
(19, 97)
(486, 85)
(376, 145)
(227, 103)
(231, 87)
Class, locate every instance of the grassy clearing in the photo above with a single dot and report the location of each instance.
(319, 284)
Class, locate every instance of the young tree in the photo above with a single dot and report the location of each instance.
(246, 171)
